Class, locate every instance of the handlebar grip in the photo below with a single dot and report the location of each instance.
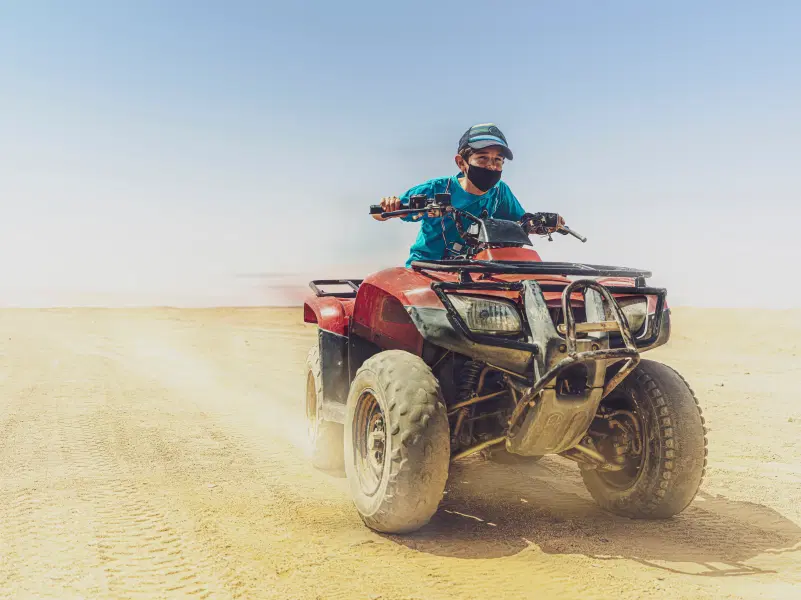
(375, 209)
(573, 233)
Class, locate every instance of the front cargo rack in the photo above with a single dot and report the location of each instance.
(505, 267)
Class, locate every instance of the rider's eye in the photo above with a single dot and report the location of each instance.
(485, 161)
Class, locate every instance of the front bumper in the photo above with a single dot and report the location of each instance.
(548, 419)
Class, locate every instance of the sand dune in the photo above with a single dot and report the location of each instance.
(159, 453)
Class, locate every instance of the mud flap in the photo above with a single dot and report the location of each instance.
(334, 365)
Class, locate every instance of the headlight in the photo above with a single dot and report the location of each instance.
(635, 310)
(483, 315)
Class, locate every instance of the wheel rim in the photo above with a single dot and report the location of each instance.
(631, 433)
(369, 437)
(311, 407)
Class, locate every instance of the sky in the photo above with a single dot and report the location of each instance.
(159, 152)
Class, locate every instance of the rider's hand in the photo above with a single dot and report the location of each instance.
(391, 204)
(388, 204)
(542, 223)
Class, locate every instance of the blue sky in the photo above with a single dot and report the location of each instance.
(158, 149)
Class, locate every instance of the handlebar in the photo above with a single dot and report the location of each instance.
(376, 209)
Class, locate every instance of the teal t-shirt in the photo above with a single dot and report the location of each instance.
(436, 239)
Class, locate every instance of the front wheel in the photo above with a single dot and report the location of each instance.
(653, 428)
(397, 444)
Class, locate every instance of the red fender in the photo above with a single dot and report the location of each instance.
(330, 313)
(380, 313)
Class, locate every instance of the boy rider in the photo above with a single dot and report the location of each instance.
(481, 155)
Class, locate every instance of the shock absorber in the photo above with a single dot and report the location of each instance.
(469, 379)
(470, 374)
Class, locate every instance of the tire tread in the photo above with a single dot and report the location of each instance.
(419, 430)
(681, 433)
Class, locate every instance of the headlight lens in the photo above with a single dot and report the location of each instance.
(483, 315)
(635, 310)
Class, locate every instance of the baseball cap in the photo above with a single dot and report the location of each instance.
(483, 136)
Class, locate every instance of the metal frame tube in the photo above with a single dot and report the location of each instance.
(474, 400)
(478, 448)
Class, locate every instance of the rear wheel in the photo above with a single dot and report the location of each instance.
(397, 446)
(655, 431)
(325, 437)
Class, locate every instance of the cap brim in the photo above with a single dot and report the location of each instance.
(486, 143)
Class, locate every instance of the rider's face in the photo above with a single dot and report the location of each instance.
(488, 158)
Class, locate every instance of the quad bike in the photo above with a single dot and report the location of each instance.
(498, 352)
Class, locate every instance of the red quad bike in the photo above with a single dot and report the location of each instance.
(498, 352)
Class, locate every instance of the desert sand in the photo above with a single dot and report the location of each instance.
(160, 453)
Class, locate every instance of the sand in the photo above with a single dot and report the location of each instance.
(159, 453)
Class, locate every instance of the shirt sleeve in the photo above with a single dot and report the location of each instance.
(508, 206)
(427, 189)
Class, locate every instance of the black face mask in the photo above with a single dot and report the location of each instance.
(482, 178)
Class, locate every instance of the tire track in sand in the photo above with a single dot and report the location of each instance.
(75, 517)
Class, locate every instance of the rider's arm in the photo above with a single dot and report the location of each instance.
(508, 206)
